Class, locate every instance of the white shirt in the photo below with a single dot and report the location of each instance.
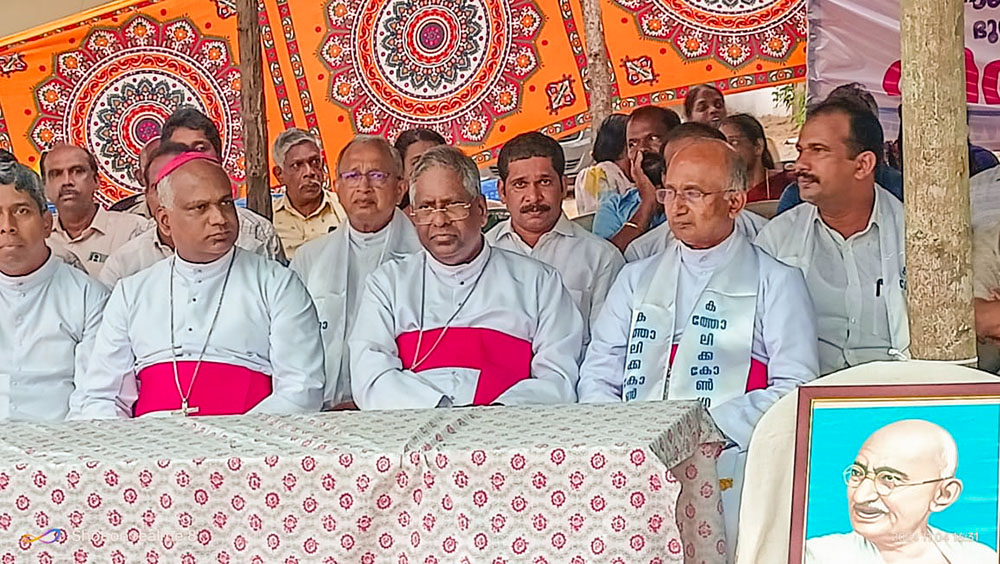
(256, 235)
(984, 197)
(50, 318)
(267, 324)
(108, 231)
(517, 296)
(587, 263)
(845, 279)
(783, 336)
(334, 269)
(656, 239)
(856, 549)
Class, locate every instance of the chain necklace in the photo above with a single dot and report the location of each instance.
(185, 410)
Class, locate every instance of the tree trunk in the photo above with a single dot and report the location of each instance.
(598, 65)
(252, 107)
(936, 177)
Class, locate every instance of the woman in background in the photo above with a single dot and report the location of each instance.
(705, 104)
(746, 135)
(611, 171)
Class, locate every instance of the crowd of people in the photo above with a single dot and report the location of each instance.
(181, 302)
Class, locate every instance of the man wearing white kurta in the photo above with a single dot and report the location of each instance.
(243, 323)
(532, 186)
(847, 239)
(461, 323)
(50, 310)
(711, 318)
(256, 235)
(335, 266)
(660, 237)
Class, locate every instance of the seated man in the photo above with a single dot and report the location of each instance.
(533, 186)
(307, 210)
(620, 218)
(461, 323)
(711, 318)
(243, 323)
(136, 204)
(188, 126)
(335, 267)
(658, 238)
(155, 245)
(847, 239)
(83, 227)
(896, 528)
(51, 310)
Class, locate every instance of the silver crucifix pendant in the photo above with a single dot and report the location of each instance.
(185, 410)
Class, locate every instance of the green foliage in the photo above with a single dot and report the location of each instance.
(793, 98)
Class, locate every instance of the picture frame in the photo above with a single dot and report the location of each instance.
(935, 447)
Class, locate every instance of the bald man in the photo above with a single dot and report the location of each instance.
(710, 318)
(212, 330)
(902, 474)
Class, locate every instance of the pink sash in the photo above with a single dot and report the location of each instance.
(756, 379)
(221, 389)
(502, 360)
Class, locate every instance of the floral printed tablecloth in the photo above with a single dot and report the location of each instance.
(617, 484)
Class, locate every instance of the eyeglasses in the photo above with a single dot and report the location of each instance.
(452, 212)
(375, 177)
(885, 481)
(690, 195)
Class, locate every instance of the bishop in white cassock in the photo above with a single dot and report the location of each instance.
(711, 318)
(213, 330)
(532, 185)
(847, 239)
(335, 266)
(50, 310)
(461, 323)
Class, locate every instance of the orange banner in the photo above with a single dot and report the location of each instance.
(478, 71)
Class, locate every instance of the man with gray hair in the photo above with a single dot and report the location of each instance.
(711, 318)
(462, 323)
(212, 330)
(51, 311)
(335, 266)
(307, 210)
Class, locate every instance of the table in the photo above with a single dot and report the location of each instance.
(620, 484)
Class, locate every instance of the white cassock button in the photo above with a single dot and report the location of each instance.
(854, 321)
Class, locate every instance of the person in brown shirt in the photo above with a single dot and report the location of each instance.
(83, 227)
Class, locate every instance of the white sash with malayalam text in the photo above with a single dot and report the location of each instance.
(713, 356)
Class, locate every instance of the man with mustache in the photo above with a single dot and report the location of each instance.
(847, 239)
(155, 244)
(82, 226)
(307, 210)
(711, 318)
(623, 217)
(50, 310)
(903, 473)
(533, 186)
(658, 238)
(462, 323)
(193, 129)
(212, 330)
(335, 266)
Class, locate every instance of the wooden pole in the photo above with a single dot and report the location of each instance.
(936, 177)
(252, 107)
(598, 64)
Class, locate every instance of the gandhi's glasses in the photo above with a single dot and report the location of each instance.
(885, 481)
(452, 212)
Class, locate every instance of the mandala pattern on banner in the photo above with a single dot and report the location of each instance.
(113, 94)
(734, 32)
(455, 66)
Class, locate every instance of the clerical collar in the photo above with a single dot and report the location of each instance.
(708, 259)
(460, 273)
(363, 239)
(40, 275)
(203, 269)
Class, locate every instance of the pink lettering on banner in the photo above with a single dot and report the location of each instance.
(893, 76)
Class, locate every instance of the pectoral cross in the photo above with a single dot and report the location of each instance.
(185, 410)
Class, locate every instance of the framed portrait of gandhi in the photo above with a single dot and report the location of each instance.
(896, 473)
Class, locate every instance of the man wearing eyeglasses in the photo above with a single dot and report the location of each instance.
(903, 473)
(307, 210)
(335, 266)
(532, 186)
(711, 318)
(462, 323)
